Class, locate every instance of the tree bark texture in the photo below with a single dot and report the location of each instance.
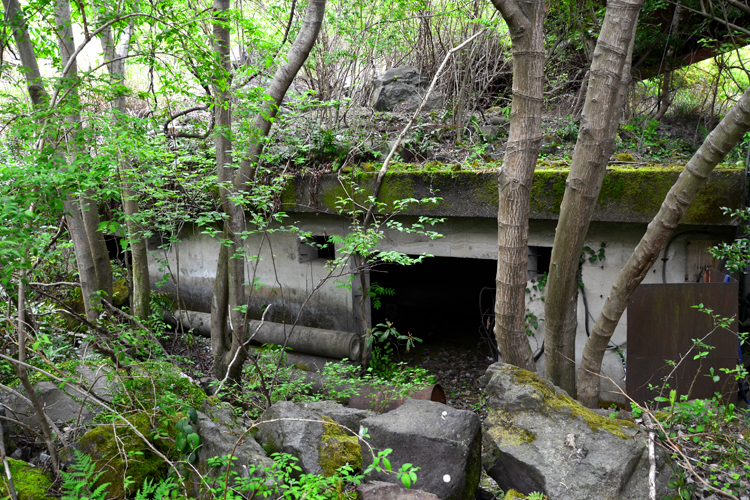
(595, 144)
(716, 146)
(94, 239)
(525, 21)
(39, 97)
(230, 268)
(139, 304)
(245, 175)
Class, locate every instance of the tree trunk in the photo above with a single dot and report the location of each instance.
(245, 175)
(89, 210)
(23, 376)
(526, 24)
(39, 97)
(595, 144)
(138, 251)
(716, 146)
(230, 268)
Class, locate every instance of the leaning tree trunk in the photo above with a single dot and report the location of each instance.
(245, 176)
(595, 144)
(39, 97)
(716, 146)
(138, 251)
(94, 239)
(525, 21)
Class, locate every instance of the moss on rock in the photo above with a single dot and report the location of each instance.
(118, 452)
(624, 157)
(560, 402)
(120, 293)
(503, 430)
(337, 449)
(30, 482)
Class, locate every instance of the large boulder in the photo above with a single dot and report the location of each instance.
(379, 490)
(403, 87)
(536, 438)
(223, 433)
(300, 429)
(443, 442)
(62, 405)
(118, 453)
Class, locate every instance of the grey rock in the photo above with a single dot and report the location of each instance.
(300, 433)
(219, 438)
(350, 418)
(403, 87)
(443, 442)
(498, 120)
(97, 379)
(536, 438)
(295, 437)
(489, 132)
(379, 490)
(60, 404)
(408, 75)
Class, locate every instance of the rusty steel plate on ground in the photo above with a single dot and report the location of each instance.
(662, 325)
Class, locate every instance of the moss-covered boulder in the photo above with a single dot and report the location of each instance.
(299, 429)
(536, 438)
(30, 482)
(118, 452)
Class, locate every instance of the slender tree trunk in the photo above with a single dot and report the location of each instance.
(39, 97)
(596, 142)
(23, 376)
(88, 207)
(230, 268)
(245, 175)
(716, 146)
(525, 21)
(665, 99)
(138, 251)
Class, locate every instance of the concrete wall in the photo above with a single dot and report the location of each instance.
(286, 283)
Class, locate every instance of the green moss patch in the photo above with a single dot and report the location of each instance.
(337, 449)
(120, 293)
(118, 452)
(561, 402)
(503, 430)
(30, 482)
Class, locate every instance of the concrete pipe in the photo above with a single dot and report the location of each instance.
(315, 341)
(304, 339)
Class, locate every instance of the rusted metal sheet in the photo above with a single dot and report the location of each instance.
(662, 325)
(383, 401)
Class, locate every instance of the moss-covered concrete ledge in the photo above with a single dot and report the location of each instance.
(629, 194)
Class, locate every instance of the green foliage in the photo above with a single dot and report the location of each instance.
(79, 482)
(736, 254)
(283, 479)
(187, 441)
(375, 291)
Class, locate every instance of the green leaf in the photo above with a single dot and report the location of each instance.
(180, 442)
(192, 415)
(194, 440)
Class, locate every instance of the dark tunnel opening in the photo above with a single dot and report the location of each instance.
(438, 300)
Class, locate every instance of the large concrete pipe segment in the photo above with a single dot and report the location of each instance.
(303, 339)
(315, 341)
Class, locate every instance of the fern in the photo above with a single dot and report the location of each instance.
(78, 483)
(165, 489)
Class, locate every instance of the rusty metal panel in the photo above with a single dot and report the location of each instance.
(661, 326)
